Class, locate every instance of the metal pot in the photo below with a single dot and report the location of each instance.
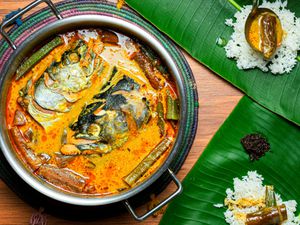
(68, 24)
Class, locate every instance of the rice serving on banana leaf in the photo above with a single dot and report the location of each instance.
(248, 196)
(285, 56)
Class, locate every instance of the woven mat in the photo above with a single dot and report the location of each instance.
(71, 8)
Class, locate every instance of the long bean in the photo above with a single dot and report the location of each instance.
(37, 56)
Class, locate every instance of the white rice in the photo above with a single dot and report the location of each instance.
(251, 188)
(285, 57)
(219, 205)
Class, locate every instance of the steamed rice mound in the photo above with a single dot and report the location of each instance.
(248, 195)
(284, 59)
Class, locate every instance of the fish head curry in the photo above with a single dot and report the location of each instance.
(93, 112)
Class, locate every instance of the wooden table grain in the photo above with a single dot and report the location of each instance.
(217, 98)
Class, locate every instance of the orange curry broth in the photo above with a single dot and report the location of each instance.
(109, 168)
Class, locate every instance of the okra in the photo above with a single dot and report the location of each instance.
(147, 162)
(172, 108)
(160, 121)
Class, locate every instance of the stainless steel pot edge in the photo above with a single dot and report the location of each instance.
(72, 23)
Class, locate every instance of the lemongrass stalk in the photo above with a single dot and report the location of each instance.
(270, 196)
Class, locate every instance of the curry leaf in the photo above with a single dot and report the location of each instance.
(224, 158)
(197, 24)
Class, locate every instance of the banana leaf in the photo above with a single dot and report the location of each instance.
(224, 158)
(196, 24)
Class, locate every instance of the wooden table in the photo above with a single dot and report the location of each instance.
(217, 98)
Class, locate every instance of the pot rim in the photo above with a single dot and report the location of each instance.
(73, 23)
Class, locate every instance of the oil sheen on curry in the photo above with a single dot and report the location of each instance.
(93, 112)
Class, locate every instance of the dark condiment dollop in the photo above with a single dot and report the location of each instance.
(255, 145)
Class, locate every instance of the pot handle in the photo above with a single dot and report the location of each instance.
(11, 20)
(160, 205)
